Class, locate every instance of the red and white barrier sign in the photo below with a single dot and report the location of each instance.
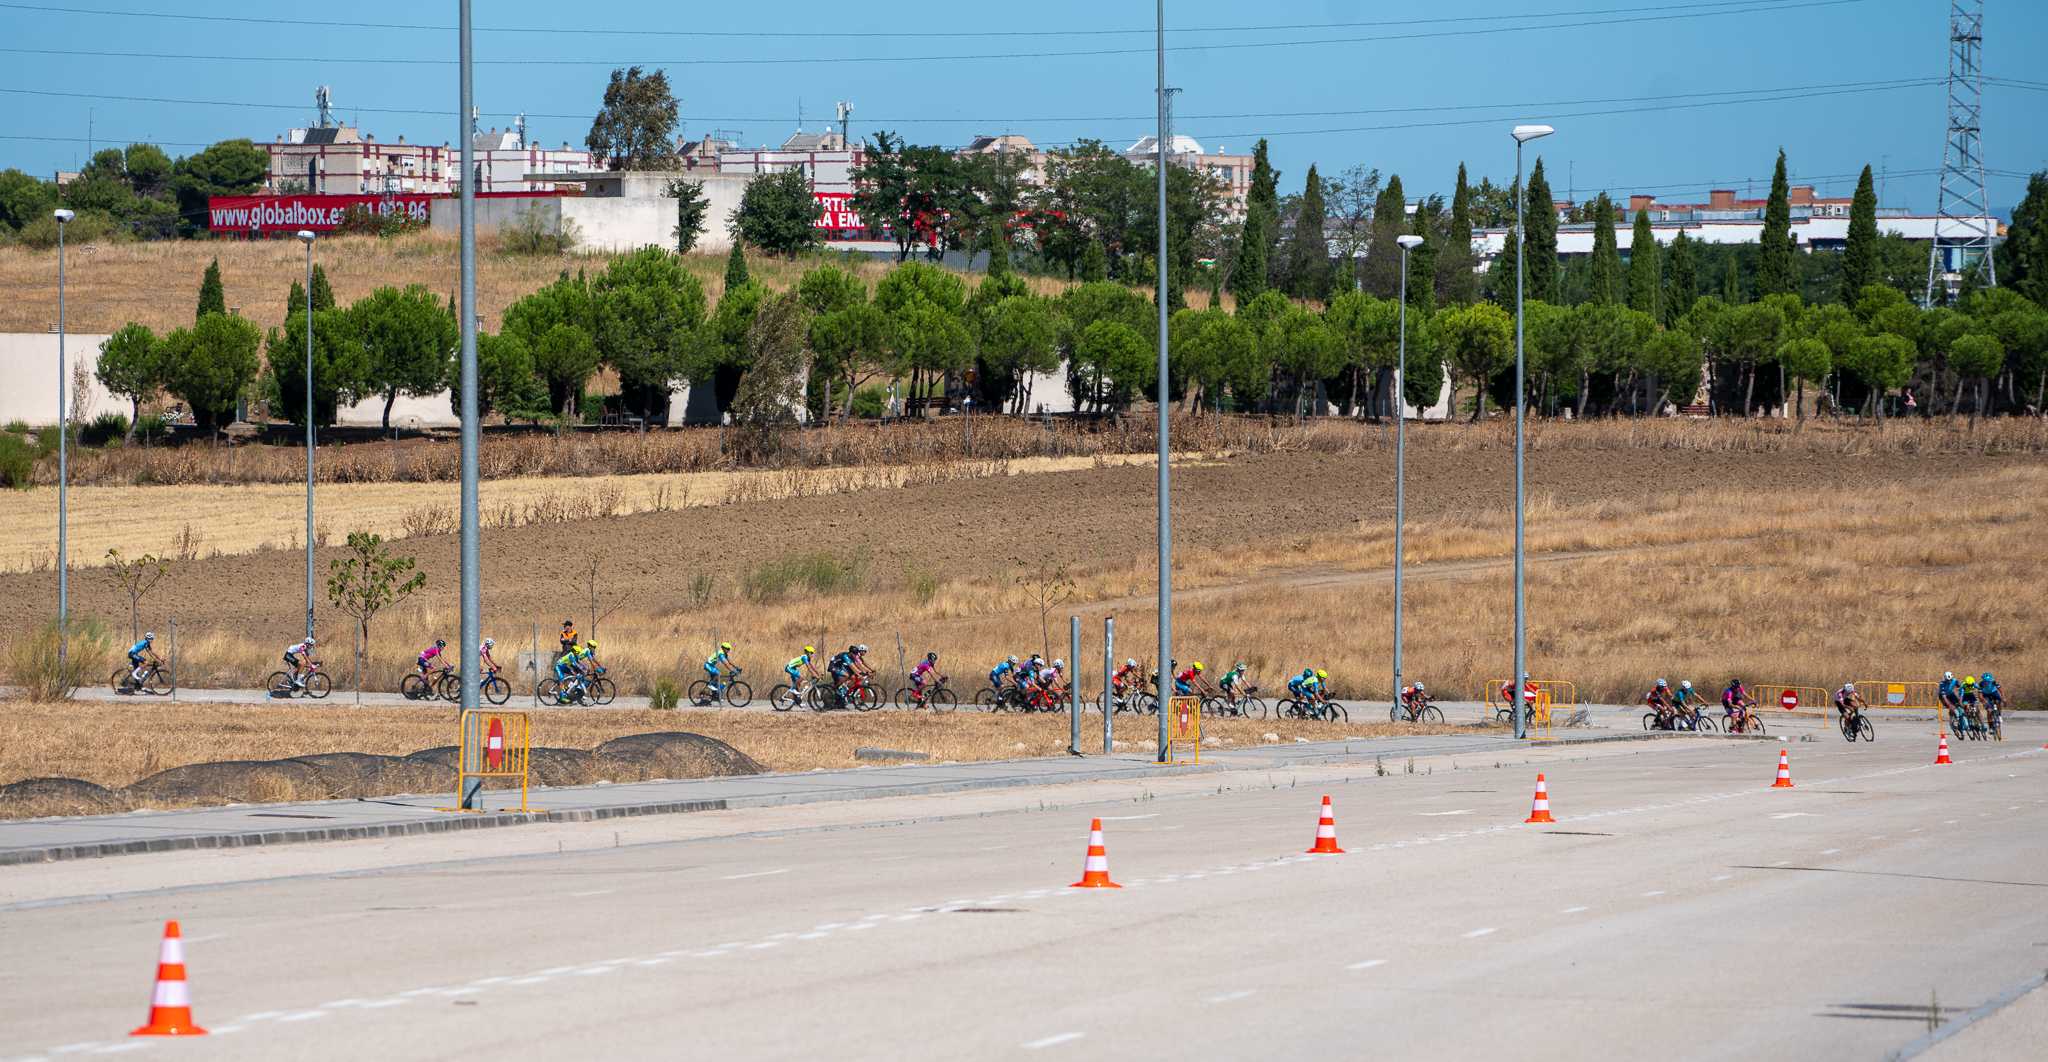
(1788, 700)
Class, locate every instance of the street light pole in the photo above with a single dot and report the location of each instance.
(1522, 134)
(1165, 509)
(472, 620)
(63, 468)
(306, 237)
(1408, 243)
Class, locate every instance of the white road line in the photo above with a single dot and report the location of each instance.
(1574, 910)
(227, 1030)
(1481, 932)
(1367, 964)
(1831, 851)
(382, 1003)
(1438, 814)
(593, 892)
(1230, 997)
(813, 935)
(1794, 815)
(410, 992)
(755, 874)
(522, 981)
(655, 961)
(1053, 1041)
(1653, 892)
(72, 1049)
(1782, 863)
(343, 1003)
(764, 944)
(1130, 818)
(112, 1049)
(304, 1015)
(1721, 877)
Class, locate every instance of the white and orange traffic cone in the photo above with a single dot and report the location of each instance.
(1941, 754)
(170, 1005)
(1095, 872)
(1784, 771)
(1326, 833)
(1540, 810)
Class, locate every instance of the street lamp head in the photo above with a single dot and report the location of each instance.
(1409, 242)
(1525, 133)
(305, 235)
(63, 216)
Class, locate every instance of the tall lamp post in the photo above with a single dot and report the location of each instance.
(63, 457)
(472, 618)
(1522, 134)
(1165, 507)
(306, 237)
(1408, 243)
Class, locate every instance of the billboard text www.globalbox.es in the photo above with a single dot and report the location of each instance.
(319, 213)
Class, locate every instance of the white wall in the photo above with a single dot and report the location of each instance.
(28, 367)
(602, 224)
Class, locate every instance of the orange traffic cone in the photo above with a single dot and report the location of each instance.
(1326, 833)
(1540, 810)
(1095, 872)
(1784, 771)
(170, 1006)
(1941, 754)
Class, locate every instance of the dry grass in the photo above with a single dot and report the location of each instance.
(190, 521)
(110, 284)
(116, 744)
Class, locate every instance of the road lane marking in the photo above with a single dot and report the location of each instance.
(382, 1003)
(1794, 815)
(1481, 932)
(1367, 964)
(1053, 1041)
(1574, 910)
(71, 1049)
(1230, 997)
(1831, 851)
(755, 874)
(112, 1049)
(1437, 814)
(304, 1015)
(1653, 892)
(1721, 877)
(592, 892)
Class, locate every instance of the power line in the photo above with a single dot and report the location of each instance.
(1758, 7)
(1701, 6)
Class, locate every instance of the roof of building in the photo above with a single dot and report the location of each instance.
(1181, 145)
(802, 141)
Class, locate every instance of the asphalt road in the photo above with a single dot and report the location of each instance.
(1680, 907)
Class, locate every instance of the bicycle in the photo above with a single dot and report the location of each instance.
(1855, 724)
(1311, 708)
(1428, 712)
(316, 684)
(784, 697)
(934, 696)
(1994, 721)
(491, 688)
(1244, 703)
(1748, 724)
(735, 693)
(417, 686)
(1001, 699)
(156, 681)
(857, 695)
(1695, 720)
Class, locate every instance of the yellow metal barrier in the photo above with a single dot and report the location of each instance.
(1549, 692)
(494, 744)
(1184, 730)
(1883, 693)
(1771, 695)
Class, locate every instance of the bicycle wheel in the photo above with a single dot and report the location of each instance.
(737, 693)
(318, 684)
(118, 681)
(603, 690)
(1649, 720)
(782, 698)
(1148, 704)
(986, 697)
(1432, 714)
(278, 683)
(1756, 726)
(449, 687)
(549, 690)
(1339, 713)
(906, 699)
(1997, 726)
(940, 699)
(867, 700)
(1866, 728)
(157, 682)
(814, 698)
(1213, 706)
(412, 687)
(496, 690)
(700, 693)
(1253, 708)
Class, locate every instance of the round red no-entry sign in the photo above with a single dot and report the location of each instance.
(1789, 700)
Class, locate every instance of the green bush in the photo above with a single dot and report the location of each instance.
(869, 402)
(17, 462)
(16, 427)
(153, 427)
(816, 572)
(666, 694)
(33, 665)
(103, 429)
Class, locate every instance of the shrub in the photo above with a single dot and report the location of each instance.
(153, 427)
(17, 427)
(33, 665)
(869, 401)
(103, 429)
(816, 572)
(666, 694)
(17, 462)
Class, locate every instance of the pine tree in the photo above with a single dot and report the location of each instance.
(1859, 257)
(736, 276)
(1683, 286)
(2022, 259)
(212, 297)
(323, 293)
(1541, 226)
(1605, 282)
(1731, 283)
(1645, 269)
(1308, 254)
(1775, 274)
(1248, 268)
(1095, 262)
(1455, 281)
(1382, 270)
(296, 301)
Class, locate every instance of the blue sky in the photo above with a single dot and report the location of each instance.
(1394, 59)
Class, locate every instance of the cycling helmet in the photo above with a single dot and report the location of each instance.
(1321, 674)
(309, 639)
(933, 657)
(1058, 664)
(568, 623)
(1419, 687)
(591, 645)
(1848, 687)
(440, 643)
(808, 650)
(1969, 680)
(150, 636)
(860, 648)
(853, 648)
(1946, 675)
(490, 643)
(1661, 684)
(725, 646)
(1129, 661)
(1308, 672)
(1987, 674)
(1685, 684)
(1198, 665)
(1013, 660)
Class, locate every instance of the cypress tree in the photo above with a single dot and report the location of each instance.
(1645, 269)
(212, 297)
(1683, 287)
(323, 293)
(736, 267)
(1264, 193)
(1501, 274)
(1308, 254)
(1248, 268)
(1094, 262)
(1605, 282)
(2022, 259)
(296, 301)
(1774, 266)
(1859, 257)
(1382, 270)
(1455, 280)
(1422, 261)
(1731, 283)
(1542, 236)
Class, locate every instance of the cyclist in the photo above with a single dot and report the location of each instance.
(1004, 669)
(1950, 693)
(1848, 703)
(568, 637)
(1686, 702)
(430, 655)
(1124, 680)
(800, 670)
(1987, 686)
(295, 658)
(485, 663)
(1233, 685)
(840, 667)
(1026, 676)
(1969, 697)
(1319, 688)
(1414, 699)
(568, 672)
(1184, 684)
(1050, 682)
(1302, 686)
(142, 656)
(1735, 705)
(1659, 699)
(717, 665)
(921, 671)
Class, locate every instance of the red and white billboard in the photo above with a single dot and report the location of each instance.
(835, 211)
(320, 213)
